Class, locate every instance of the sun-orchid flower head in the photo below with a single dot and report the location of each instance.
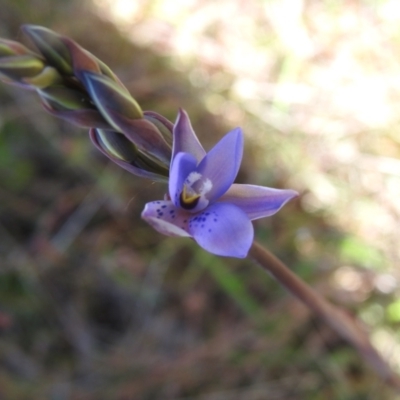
(203, 202)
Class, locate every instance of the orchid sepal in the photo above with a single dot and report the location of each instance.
(185, 139)
(258, 201)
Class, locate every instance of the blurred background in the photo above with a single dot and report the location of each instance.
(94, 304)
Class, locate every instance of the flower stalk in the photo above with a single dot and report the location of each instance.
(340, 321)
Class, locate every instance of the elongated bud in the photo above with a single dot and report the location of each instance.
(51, 46)
(17, 67)
(123, 113)
(11, 48)
(164, 126)
(124, 153)
(83, 61)
(62, 98)
(110, 97)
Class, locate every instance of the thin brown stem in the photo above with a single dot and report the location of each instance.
(345, 325)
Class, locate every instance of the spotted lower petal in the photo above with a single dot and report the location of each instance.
(222, 229)
(185, 139)
(165, 218)
(221, 164)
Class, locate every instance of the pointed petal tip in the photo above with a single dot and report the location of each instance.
(182, 118)
(182, 113)
(291, 194)
(234, 135)
(238, 131)
(258, 201)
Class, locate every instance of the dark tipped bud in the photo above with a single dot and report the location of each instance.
(111, 97)
(82, 60)
(51, 46)
(125, 115)
(124, 153)
(164, 126)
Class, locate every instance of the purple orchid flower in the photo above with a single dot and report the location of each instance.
(203, 202)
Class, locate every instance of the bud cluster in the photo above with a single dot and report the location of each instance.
(76, 86)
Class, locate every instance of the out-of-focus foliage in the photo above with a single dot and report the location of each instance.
(96, 305)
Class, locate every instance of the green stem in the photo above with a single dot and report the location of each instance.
(345, 325)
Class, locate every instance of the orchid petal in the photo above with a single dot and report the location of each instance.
(182, 165)
(221, 164)
(185, 139)
(165, 218)
(257, 201)
(223, 229)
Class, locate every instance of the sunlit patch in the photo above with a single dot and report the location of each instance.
(124, 11)
(353, 283)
